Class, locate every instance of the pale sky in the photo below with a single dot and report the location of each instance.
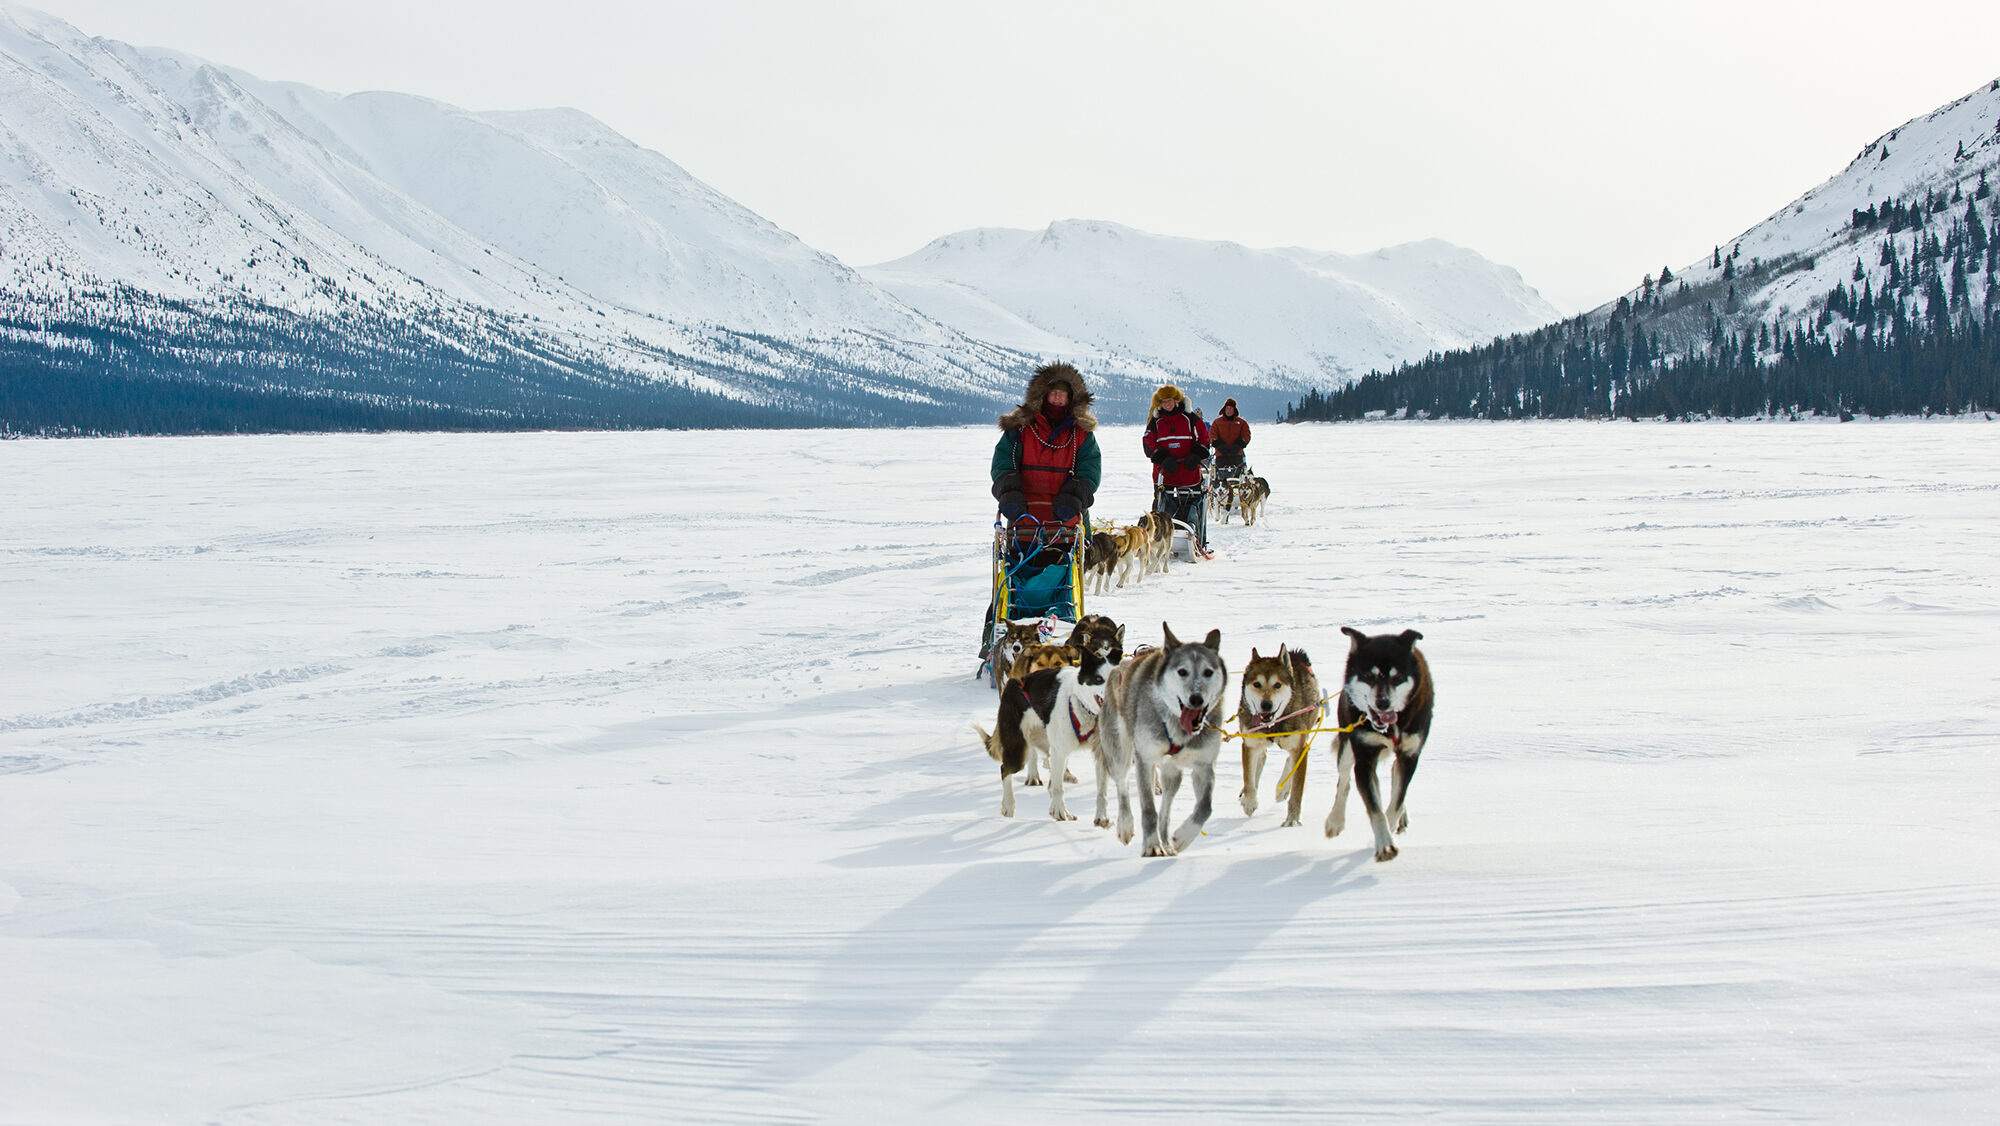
(1585, 144)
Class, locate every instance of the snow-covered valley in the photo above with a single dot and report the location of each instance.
(628, 777)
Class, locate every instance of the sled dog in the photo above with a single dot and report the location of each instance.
(1163, 713)
(1134, 558)
(1043, 655)
(1281, 696)
(1008, 649)
(1160, 541)
(1387, 697)
(1053, 712)
(1100, 562)
(1033, 659)
(1250, 497)
(1099, 633)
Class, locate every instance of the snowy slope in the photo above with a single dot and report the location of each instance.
(195, 182)
(514, 780)
(1787, 264)
(1275, 318)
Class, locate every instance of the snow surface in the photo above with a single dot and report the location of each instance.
(1269, 318)
(579, 777)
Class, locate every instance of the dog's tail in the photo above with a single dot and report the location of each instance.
(991, 744)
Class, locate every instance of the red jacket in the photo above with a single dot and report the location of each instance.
(1230, 430)
(1045, 458)
(1183, 440)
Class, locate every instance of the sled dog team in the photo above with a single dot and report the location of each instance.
(1115, 557)
(1162, 711)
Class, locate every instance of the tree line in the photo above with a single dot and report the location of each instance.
(1926, 342)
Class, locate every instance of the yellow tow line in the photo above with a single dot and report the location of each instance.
(1301, 760)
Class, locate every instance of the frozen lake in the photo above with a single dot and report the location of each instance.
(628, 777)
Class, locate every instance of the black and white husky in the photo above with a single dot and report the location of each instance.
(1163, 709)
(1387, 699)
(1053, 712)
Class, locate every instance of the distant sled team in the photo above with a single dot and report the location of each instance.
(1154, 720)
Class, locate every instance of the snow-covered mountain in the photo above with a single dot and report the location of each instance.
(1287, 318)
(169, 225)
(1896, 213)
(143, 178)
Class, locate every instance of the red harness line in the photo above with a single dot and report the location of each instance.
(1074, 726)
(1269, 724)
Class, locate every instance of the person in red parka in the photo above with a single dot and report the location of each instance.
(1232, 434)
(1176, 440)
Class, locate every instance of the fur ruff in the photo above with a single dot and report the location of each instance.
(1048, 376)
(1166, 392)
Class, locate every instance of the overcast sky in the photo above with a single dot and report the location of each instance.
(1585, 144)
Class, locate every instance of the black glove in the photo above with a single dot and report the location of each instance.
(1075, 496)
(1160, 457)
(1007, 490)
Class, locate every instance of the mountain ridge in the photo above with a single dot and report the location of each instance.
(1262, 318)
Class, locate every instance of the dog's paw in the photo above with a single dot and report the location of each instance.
(1284, 791)
(1402, 822)
(1032, 782)
(1289, 823)
(1069, 775)
(1185, 837)
(1249, 805)
(1125, 832)
(1159, 848)
(1386, 852)
(1062, 815)
(1102, 822)
(1334, 825)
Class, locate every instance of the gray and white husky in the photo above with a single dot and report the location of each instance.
(1387, 699)
(1163, 710)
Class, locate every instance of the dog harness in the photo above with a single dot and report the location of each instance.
(1391, 731)
(1077, 727)
(1276, 720)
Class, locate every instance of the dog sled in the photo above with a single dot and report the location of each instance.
(1187, 507)
(1037, 574)
(1226, 486)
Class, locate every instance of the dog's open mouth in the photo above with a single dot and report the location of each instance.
(1191, 720)
(1381, 721)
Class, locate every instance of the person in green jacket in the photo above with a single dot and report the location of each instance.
(1046, 464)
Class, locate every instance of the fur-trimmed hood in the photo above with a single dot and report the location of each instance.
(1048, 376)
(1164, 394)
(1226, 404)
